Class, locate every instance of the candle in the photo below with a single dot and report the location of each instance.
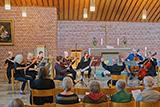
(145, 51)
(101, 41)
(118, 41)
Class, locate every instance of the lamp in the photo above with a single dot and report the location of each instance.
(24, 14)
(85, 15)
(144, 14)
(7, 5)
(92, 6)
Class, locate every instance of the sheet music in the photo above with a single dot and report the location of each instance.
(135, 93)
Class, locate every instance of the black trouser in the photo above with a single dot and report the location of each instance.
(9, 73)
(32, 74)
(113, 82)
(89, 72)
(73, 72)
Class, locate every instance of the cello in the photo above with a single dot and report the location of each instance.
(143, 70)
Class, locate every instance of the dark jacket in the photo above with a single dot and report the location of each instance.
(10, 64)
(60, 71)
(42, 84)
(83, 63)
(151, 71)
(115, 69)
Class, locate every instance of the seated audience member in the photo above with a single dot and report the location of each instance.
(42, 83)
(121, 96)
(114, 70)
(16, 103)
(95, 96)
(148, 94)
(67, 97)
(19, 73)
(60, 70)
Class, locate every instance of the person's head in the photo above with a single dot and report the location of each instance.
(86, 53)
(66, 54)
(40, 54)
(10, 54)
(18, 59)
(43, 72)
(94, 87)
(59, 59)
(149, 54)
(148, 81)
(134, 51)
(16, 103)
(67, 83)
(30, 56)
(120, 85)
(114, 60)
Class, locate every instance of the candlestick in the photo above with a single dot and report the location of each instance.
(145, 51)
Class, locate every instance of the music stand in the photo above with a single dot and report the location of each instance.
(95, 63)
(82, 70)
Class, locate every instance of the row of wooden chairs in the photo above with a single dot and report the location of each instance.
(107, 104)
(79, 91)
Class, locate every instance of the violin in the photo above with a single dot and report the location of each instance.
(143, 70)
(66, 63)
(70, 58)
(135, 68)
(89, 56)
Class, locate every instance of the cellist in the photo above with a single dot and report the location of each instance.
(132, 56)
(151, 71)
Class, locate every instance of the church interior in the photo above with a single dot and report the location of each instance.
(92, 43)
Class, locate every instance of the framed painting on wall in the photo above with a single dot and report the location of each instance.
(6, 32)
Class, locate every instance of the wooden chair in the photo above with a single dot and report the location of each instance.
(42, 93)
(129, 89)
(158, 70)
(117, 77)
(5, 70)
(156, 88)
(95, 105)
(16, 82)
(53, 76)
(69, 105)
(109, 91)
(129, 104)
(81, 91)
(148, 104)
(46, 105)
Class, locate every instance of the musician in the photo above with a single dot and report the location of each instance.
(31, 63)
(68, 60)
(85, 61)
(19, 73)
(130, 58)
(151, 71)
(114, 69)
(40, 57)
(10, 61)
(61, 70)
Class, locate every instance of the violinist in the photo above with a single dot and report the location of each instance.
(31, 62)
(151, 71)
(85, 61)
(10, 62)
(40, 57)
(68, 60)
(61, 70)
(132, 57)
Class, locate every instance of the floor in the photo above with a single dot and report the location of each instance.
(6, 94)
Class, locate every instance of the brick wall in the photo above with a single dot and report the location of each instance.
(39, 27)
(139, 35)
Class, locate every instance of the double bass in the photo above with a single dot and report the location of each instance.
(143, 70)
